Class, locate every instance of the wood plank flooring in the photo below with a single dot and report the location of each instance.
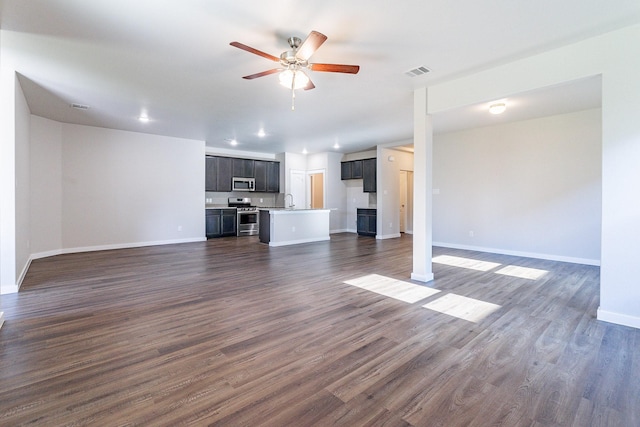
(231, 332)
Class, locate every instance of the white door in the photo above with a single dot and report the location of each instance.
(298, 189)
(403, 201)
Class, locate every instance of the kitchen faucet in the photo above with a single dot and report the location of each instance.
(285, 200)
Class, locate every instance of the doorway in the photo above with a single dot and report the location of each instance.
(316, 189)
(406, 201)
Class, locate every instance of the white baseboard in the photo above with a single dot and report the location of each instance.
(618, 319)
(1, 318)
(422, 277)
(297, 242)
(343, 230)
(131, 245)
(550, 257)
(15, 288)
(387, 236)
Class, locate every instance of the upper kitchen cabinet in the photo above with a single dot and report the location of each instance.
(243, 168)
(360, 169)
(351, 169)
(273, 177)
(267, 175)
(210, 179)
(369, 176)
(218, 173)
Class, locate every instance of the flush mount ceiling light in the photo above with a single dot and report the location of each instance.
(497, 108)
(144, 118)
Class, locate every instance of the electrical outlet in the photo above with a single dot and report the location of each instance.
(293, 229)
(471, 233)
(179, 228)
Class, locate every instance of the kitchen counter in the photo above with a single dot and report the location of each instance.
(280, 227)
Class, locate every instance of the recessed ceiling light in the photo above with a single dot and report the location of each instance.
(497, 108)
(261, 133)
(233, 142)
(304, 151)
(144, 118)
(336, 145)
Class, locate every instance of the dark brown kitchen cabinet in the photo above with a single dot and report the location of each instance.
(366, 222)
(351, 169)
(273, 177)
(211, 181)
(218, 173)
(360, 169)
(267, 175)
(369, 176)
(243, 168)
(221, 222)
(260, 174)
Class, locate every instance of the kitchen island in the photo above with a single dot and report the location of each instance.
(280, 227)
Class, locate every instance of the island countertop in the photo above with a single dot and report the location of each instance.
(280, 227)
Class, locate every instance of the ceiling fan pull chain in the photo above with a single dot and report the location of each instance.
(293, 92)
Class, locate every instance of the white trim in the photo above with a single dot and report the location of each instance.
(574, 260)
(387, 236)
(618, 319)
(422, 278)
(1, 318)
(296, 242)
(341, 230)
(115, 246)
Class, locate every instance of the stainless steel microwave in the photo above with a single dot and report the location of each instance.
(243, 184)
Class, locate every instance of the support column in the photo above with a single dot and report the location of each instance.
(422, 192)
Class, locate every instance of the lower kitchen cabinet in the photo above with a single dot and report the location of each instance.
(221, 222)
(366, 222)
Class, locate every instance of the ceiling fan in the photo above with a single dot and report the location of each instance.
(293, 63)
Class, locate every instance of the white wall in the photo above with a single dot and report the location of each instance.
(615, 56)
(124, 188)
(23, 223)
(46, 187)
(335, 191)
(95, 188)
(14, 179)
(388, 194)
(355, 196)
(531, 188)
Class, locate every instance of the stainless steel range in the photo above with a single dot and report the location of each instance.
(247, 224)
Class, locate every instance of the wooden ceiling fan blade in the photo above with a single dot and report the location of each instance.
(313, 41)
(262, 74)
(335, 68)
(254, 51)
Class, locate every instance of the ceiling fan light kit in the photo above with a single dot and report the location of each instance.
(294, 61)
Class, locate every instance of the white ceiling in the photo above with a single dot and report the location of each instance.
(172, 60)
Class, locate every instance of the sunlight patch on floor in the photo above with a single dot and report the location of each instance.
(397, 289)
(522, 272)
(461, 307)
(472, 264)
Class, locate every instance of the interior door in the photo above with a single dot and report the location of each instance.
(403, 201)
(317, 190)
(298, 188)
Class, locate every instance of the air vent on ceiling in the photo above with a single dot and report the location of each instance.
(417, 71)
(79, 106)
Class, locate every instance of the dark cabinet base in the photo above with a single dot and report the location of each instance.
(367, 222)
(220, 223)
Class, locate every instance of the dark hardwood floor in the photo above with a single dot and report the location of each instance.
(232, 332)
